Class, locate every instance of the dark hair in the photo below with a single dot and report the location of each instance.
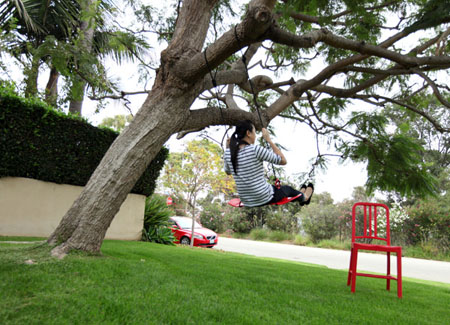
(237, 139)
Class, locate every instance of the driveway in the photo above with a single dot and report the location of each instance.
(338, 259)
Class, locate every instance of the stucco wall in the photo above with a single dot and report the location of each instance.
(30, 207)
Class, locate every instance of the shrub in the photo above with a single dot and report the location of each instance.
(37, 141)
(212, 217)
(156, 221)
(429, 220)
(334, 244)
(278, 235)
(160, 235)
(259, 234)
(239, 235)
(239, 221)
(319, 223)
(279, 219)
(301, 240)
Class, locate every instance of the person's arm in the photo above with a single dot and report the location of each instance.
(274, 147)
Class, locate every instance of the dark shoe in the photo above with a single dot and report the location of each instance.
(309, 199)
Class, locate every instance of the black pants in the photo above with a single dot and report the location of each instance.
(286, 191)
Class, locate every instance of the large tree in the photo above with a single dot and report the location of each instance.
(360, 58)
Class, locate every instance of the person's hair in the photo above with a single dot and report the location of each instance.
(237, 139)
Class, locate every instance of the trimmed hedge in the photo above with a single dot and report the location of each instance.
(39, 142)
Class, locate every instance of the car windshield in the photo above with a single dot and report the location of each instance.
(187, 224)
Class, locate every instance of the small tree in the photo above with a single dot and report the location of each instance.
(198, 169)
(118, 122)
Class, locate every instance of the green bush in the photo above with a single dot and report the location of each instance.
(278, 235)
(212, 217)
(156, 221)
(301, 240)
(429, 221)
(259, 234)
(279, 219)
(37, 141)
(240, 220)
(160, 235)
(334, 244)
(320, 223)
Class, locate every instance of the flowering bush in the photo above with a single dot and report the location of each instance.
(213, 217)
(397, 219)
(319, 223)
(429, 220)
(278, 219)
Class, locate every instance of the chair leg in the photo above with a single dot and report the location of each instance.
(399, 273)
(388, 281)
(354, 263)
(350, 268)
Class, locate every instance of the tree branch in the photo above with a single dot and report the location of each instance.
(252, 29)
(436, 92)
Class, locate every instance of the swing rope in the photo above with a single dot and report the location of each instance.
(214, 82)
(277, 182)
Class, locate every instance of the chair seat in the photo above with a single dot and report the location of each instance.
(380, 248)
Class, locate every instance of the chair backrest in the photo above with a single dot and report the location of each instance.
(372, 216)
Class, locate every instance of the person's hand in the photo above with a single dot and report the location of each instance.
(227, 145)
(265, 134)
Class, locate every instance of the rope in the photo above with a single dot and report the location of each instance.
(214, 82)
(213, 79)
(255, 99)
(244, 60)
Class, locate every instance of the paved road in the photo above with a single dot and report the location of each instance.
(338, 259)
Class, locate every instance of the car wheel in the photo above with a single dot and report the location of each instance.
(185, 241)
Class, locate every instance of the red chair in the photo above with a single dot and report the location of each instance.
(372, 231)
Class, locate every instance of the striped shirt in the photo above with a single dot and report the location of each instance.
(251, 184)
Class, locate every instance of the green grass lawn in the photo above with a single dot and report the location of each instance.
(145, 283)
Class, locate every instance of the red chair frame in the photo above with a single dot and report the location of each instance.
(371, 232)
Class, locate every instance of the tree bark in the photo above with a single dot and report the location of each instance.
(51, 90)
(84, 225)
(32, 74)
(164, 113)
(86, 32)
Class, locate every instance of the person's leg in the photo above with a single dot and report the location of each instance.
(286, 191)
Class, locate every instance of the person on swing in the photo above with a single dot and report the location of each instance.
(244, 161)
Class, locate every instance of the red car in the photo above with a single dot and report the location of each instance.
(181, 228)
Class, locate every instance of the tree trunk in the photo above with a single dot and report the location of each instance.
(84, 225)
(165, 112)
(86, 32)
(193, 221)
(32, 74)
(51, 90)
(76, 105)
